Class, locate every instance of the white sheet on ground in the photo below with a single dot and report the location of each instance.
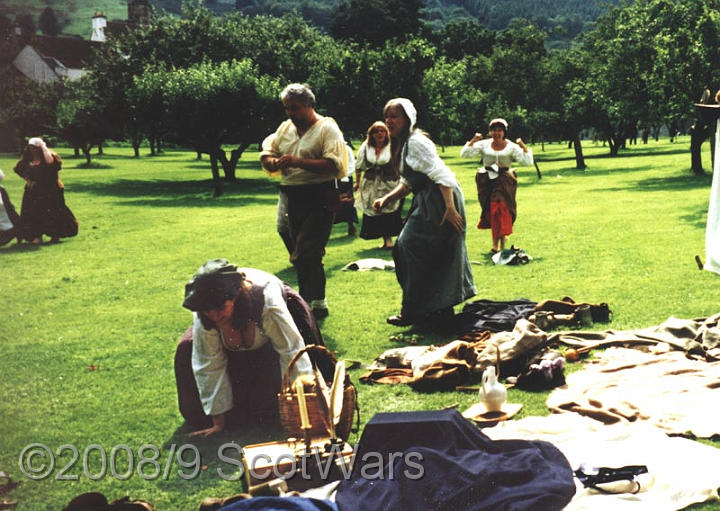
(681, 472)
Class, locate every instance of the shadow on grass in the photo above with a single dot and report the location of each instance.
(192, 193)
(340, 239)
(20, 247)
(92, 166)
(209, 461)
(626, 153)
(671, 183)
(697, 219)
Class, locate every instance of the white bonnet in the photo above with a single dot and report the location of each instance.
(500, 121)
(408, 107)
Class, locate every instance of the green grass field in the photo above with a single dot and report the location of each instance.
(624, 231)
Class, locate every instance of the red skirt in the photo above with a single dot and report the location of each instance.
(500, 220)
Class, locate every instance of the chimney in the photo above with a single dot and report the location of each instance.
(99, 22)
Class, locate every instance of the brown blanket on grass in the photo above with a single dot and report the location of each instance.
(697, 336)
(455, 363)
(669, 390)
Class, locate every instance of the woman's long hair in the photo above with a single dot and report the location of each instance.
(398, 144)
(373, 127)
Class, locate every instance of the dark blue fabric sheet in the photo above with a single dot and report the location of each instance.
(440, 461)
(280, 504)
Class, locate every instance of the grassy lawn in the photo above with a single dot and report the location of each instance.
(90, 325)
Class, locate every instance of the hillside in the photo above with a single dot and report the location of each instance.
(563, 19)
(75, 16)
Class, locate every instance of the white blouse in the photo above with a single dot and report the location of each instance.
(422, 157)
(209, 359)
(367, 158)
(489, 156)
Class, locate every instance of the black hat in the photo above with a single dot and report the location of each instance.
(213, 284)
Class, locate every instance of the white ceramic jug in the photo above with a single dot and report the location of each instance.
(492, 393)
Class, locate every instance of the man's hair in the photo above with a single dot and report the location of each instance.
(299, 92)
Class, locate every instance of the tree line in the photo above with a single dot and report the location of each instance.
(211, 82)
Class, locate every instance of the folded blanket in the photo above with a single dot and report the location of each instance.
(699, 336)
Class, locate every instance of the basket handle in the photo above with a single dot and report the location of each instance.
(307, 349)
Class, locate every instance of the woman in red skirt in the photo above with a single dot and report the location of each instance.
(496, 180)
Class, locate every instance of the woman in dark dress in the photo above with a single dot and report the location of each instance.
(43, 209)
(431, 261)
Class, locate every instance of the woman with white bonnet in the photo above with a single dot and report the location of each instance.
(43, 210)
(431, 261)
(496, 180)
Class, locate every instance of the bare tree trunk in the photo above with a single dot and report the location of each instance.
(698, 133)
(235, 156)
(88, 156)
(579, 158)
(216, 175)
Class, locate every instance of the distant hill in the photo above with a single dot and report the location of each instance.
(563, 19)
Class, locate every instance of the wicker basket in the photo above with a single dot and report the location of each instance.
(288, 403)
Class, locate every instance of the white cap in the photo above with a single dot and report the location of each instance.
(36, 141)
(408, 107)
(499, 121)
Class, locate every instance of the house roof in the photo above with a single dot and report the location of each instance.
(72, 52)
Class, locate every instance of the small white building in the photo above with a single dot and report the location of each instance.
(47, 58)
(99, 24)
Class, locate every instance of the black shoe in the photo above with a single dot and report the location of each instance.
(398, 320)
(320, 312)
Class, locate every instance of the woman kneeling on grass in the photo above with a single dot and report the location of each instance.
(247, 326)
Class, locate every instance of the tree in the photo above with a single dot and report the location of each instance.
(456, 107)
(376, 21)
(622, 52)
(27, 107)
(286, 48)
(362, 79)
(463, 37)
(49, 24)
(566, 83)
(83, 119)
(649, 62)
(208, 105)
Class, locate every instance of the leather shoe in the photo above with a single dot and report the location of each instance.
(398, 320)
(320, 312)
